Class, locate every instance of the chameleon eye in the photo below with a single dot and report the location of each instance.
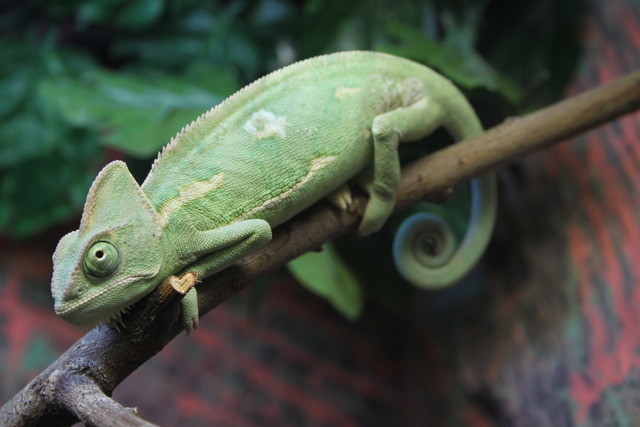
(102, 259)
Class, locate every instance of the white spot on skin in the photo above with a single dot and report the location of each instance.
(265, 124)
(343, 92)
(311, 130)
(316, 165)
(190, 192)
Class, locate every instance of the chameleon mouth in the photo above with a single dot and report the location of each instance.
(80, 315)
(113, 321)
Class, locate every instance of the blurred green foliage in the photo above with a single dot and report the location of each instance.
(82, 75)
(325, 273)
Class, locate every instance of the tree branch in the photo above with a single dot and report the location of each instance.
(84, 399)
(104, 357)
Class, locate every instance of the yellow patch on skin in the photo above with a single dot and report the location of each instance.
(265, 124)
(316, 165)
(190, 192)
(343, 92)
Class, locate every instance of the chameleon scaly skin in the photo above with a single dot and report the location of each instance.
(254, 161)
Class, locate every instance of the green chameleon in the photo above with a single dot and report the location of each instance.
(260, 157)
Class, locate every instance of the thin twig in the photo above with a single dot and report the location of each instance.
(105, 357)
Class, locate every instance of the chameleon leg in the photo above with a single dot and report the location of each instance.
(388, 129)
(189, 310)
(217, 249)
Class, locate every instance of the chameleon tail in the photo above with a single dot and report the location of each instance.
(424, 248)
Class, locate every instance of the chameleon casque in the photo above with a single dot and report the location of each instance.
(263, 155)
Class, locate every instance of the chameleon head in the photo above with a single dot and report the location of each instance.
(114, 258)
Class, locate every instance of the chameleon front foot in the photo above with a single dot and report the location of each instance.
(189, 314)
(189, 303)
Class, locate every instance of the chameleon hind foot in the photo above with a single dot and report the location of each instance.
(342, 199)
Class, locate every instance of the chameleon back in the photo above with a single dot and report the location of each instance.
(281, 143)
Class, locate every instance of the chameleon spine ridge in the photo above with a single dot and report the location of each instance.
(230, 102)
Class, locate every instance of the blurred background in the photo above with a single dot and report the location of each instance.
(537, 334)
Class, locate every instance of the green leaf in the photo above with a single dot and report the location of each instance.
(48, 187)
(13, 90)
(542, 64)
(271, 12)
(456, 58)
(221, 80)
(96, 12)
(137, 114)
(140, 14)
(326, 275)
(143, 132)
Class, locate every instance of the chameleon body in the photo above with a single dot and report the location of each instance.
(257, 159)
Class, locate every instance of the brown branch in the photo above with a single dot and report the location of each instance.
(84, 399)
(97, 363)
(105, 357)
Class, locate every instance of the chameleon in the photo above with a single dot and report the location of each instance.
(274, 148)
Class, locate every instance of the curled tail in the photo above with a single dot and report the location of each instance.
(424, 248)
